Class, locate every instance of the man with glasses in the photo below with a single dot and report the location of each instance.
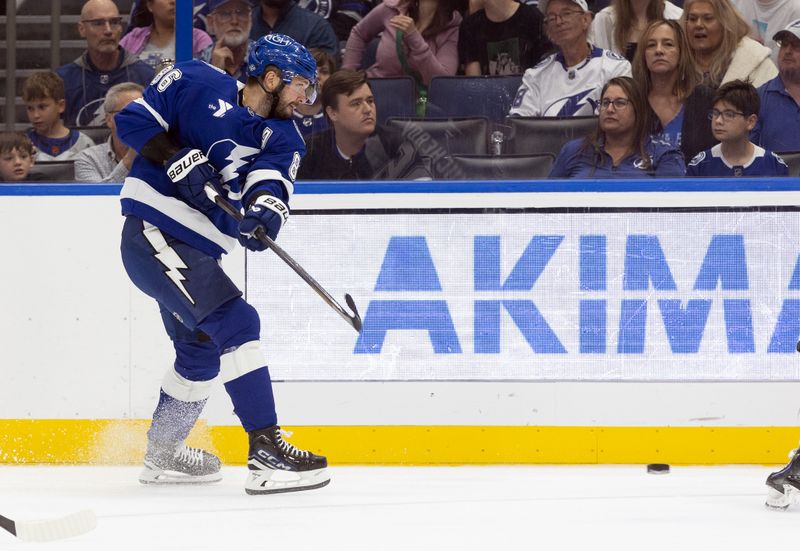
(567, 83)
(229, 22)
(779, 117)
(733, 117)
(101, 66)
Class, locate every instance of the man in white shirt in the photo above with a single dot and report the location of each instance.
(767, 17)
(567, 83)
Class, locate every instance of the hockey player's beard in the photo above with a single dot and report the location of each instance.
(272, 105)
(269, 105)
(280, 109)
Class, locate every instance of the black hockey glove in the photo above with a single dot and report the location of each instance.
(265, 212)
(189, 170)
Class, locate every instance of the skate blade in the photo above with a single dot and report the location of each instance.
(780, 501)
(277, 482)
(169, 478)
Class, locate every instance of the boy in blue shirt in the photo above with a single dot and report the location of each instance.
(734, 115)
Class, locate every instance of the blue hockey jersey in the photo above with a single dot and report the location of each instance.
(199, 106)
(712, 164)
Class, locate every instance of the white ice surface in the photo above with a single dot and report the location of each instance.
(413, 508)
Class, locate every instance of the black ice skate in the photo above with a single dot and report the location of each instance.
(784, 485)
(277, 466)
(179, 464)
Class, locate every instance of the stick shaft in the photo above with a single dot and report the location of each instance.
(291, 262)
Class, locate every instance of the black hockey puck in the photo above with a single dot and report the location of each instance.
(658, 468)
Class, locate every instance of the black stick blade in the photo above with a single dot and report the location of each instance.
(356, 317)
(8, 525)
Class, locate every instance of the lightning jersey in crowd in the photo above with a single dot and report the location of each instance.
(577, 161)
(551, 89)
(711, 164)
(199, 106)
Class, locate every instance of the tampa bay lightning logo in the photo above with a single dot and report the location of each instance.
(231, 156)
(91, 114)
(579, 104)
(698, 159)
(320, 7)
(778, 157)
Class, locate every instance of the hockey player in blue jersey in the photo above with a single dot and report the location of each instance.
(735, 114)
(195, 124)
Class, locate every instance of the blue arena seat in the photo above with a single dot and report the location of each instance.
(394, 97)
(494, 167)
(481, 96)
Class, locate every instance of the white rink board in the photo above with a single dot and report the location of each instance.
(708, 309)
(81, 343)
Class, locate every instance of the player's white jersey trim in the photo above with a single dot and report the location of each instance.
(758, 152)
(156, 115)
(259, 176)
(139, 190)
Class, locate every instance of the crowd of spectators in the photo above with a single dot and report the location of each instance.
(651, 72)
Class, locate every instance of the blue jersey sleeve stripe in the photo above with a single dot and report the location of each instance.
(262, 175)
(155, 114)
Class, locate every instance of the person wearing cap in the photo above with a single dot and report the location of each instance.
(767, 17)
(287, 17)
(779, 116)
(230, 22)
(567, 83)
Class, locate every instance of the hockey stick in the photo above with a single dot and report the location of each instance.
(52, 529)
(353, 319)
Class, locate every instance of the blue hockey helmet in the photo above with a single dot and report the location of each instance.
(285, 53)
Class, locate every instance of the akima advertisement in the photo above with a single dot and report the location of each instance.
(618, 296)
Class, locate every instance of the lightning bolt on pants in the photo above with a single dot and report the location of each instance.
(209, 324)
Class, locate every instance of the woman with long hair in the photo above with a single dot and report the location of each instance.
(619, 26)
(417, 38)
(665, 70)
(620, 146)
(153, 35)
(717, 34)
